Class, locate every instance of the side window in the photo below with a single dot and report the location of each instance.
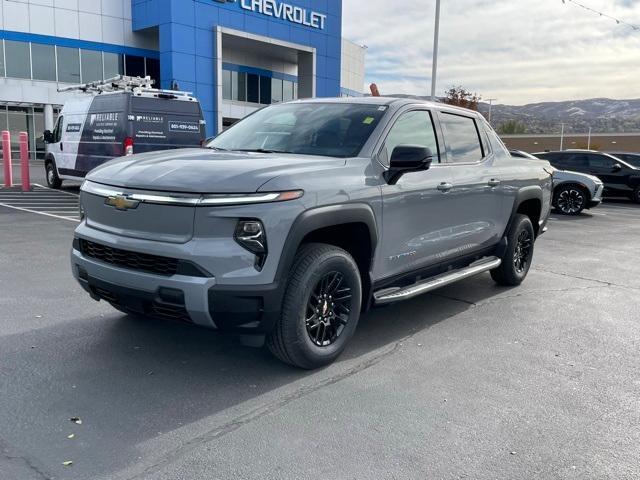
(57, 131)
(462, 137)
(412, 128)
(577, 160)
(600, 161)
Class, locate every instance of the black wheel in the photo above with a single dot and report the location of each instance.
(321, 307)
(570, 199)
(518, 255)
(53, 181)
(636, 195)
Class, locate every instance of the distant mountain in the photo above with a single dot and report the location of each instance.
(603, 115)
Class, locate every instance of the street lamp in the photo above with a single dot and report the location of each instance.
(562, 137)
(436, 36)
(491, 100)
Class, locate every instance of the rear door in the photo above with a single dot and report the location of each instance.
(164, 124)
(477, 204)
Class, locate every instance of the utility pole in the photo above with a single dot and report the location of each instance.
(562, 137)
(589, 140)
(436, 37)
(491, 100)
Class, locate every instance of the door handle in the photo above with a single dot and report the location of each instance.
(494, 182)
(61, 147)
(444, 187)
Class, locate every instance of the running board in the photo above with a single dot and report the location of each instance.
(397, 294)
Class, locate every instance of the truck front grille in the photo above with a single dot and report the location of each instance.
(131, 260)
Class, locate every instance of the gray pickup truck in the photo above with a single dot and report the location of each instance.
(306, 214)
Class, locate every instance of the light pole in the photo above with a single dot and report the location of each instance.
(562, 137)
(589, 140)
(491, 100)
(436, 36)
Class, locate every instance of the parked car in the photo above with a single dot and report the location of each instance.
(620, 178)
(632, 159)
(93, 129)
(572, 191)
(305, 214)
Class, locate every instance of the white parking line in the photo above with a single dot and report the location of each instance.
(40, 213)
(43, 201)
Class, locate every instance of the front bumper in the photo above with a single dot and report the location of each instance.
(197, 300)
(597, 197)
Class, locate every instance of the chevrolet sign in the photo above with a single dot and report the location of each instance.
(122, 202)
(284, 11)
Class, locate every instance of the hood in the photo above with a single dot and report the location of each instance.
(204, 171)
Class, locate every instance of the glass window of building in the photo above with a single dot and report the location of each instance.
(113, 65)
(18, 59)
(44, 62)
(253, 88)
(1, 60)
(3, 118)
(226, 84)
(240, 94)
(68, 65)
(265, 90)
(276, 90)
(134, 66)
(287, 91)
(153, 71)
(91, 65)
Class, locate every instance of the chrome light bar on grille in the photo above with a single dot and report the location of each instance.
(194, 200)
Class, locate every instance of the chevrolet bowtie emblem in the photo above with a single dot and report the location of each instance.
(121, 202)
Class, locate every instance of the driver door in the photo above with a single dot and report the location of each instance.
(416, 224)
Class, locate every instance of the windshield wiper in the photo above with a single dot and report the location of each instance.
(260, 150)
(218, 149)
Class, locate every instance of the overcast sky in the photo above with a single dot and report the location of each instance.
(518, 51)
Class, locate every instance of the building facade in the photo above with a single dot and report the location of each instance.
(234, 55)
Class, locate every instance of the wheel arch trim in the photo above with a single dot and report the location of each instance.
(323, 217)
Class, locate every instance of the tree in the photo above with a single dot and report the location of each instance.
(461, 97)
(512, 127)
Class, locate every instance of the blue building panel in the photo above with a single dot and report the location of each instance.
(187, 38)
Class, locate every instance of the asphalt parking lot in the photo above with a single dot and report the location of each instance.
(473, 381)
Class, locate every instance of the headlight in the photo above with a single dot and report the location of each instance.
(251, 236)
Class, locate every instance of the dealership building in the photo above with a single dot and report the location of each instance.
(234, 55)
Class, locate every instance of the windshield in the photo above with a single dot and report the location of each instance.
(327, 129)
(633, 160)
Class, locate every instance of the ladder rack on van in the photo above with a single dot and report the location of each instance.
(123, 83)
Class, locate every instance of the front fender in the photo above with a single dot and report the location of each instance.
(322, 217)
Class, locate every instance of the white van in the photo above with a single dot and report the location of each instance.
(93, 129)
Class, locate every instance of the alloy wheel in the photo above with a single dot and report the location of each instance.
(328, 309)
(522, 253)
(570, 201)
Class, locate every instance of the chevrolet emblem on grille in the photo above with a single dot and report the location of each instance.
(122, 202)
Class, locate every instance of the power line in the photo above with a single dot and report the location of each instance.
(602, 14)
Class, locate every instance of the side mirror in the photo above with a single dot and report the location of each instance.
(47, 136)
(405, 159)
(616, 168)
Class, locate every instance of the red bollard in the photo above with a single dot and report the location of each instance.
(24, 161)
(6, 157)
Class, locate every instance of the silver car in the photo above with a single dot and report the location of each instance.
(572, 191)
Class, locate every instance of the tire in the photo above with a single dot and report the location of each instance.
(313, 330)
(635, 196)
(53, 180)
(570, 199)
(518, 255)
